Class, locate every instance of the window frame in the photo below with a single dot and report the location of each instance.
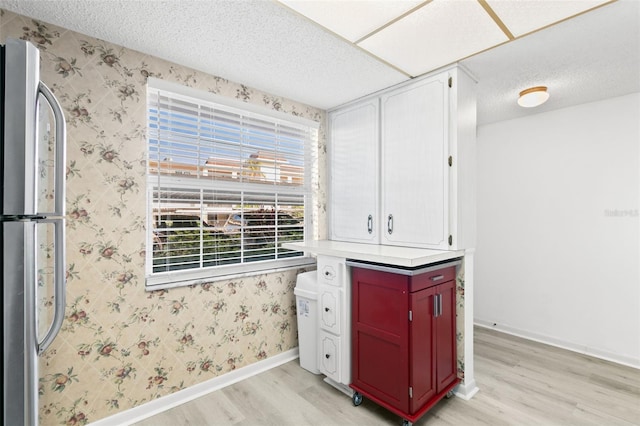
(192, 276)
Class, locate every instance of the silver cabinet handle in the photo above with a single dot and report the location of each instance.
(390, 224)
(60, 284)
(370, 224)
(437, 305)
(437, 277)
(61, 165)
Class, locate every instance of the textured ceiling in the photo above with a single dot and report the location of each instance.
(257, 43)
(591, 57)
(265, 45)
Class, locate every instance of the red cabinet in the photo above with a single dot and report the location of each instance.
(403, 337)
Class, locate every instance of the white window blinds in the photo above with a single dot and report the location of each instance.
(225, 188)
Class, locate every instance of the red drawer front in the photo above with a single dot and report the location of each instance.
(429, 279)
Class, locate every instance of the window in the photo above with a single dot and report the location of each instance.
(228, 183)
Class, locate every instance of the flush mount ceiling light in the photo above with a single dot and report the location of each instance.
(533, 97)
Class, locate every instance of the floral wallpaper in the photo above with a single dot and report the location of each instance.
(121, 346)
(460, 320)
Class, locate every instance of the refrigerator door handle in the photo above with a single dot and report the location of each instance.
(60, 284)
(61, 134)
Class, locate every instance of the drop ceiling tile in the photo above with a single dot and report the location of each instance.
(440, 33)
(524, 16)
(351, 19)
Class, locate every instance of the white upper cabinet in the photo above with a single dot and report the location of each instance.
(414, 165)
(402, 165)
(354, 173)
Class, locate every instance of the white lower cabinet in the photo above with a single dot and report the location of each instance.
(334, 357)
(330, 303)
(330, 271)
(329, 356)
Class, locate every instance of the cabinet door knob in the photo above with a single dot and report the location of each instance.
(327, 356)
(326, 309)
(327, 273)
(390, 224)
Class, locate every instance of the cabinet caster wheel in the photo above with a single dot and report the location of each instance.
(406, 423)
(449, 394)
(357, 398)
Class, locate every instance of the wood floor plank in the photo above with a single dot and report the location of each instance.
(584, 415)
(521, 383)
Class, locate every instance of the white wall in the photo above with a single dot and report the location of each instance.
(552, 263)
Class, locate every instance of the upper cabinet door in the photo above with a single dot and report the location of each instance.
(353, 175)
(415, 178)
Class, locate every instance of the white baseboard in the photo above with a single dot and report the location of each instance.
(559, 343)
(164, 403)
(466, 391)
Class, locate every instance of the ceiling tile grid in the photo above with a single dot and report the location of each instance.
(351, 19)
(525, 16)
(435, 35)
(419, 37)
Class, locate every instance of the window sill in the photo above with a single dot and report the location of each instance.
(175, 279)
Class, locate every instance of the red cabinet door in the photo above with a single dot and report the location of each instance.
(422, 348)
(380, 359)
(445, 336)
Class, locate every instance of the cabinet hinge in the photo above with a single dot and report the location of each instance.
(450, 240)
(410, 315)
(450, 161)
(410, 392)
(450, 81)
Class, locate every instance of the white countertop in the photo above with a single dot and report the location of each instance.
(391, 255)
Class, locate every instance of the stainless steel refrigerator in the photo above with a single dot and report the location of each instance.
(33, 207)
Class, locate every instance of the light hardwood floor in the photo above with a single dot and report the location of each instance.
(521, 383)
